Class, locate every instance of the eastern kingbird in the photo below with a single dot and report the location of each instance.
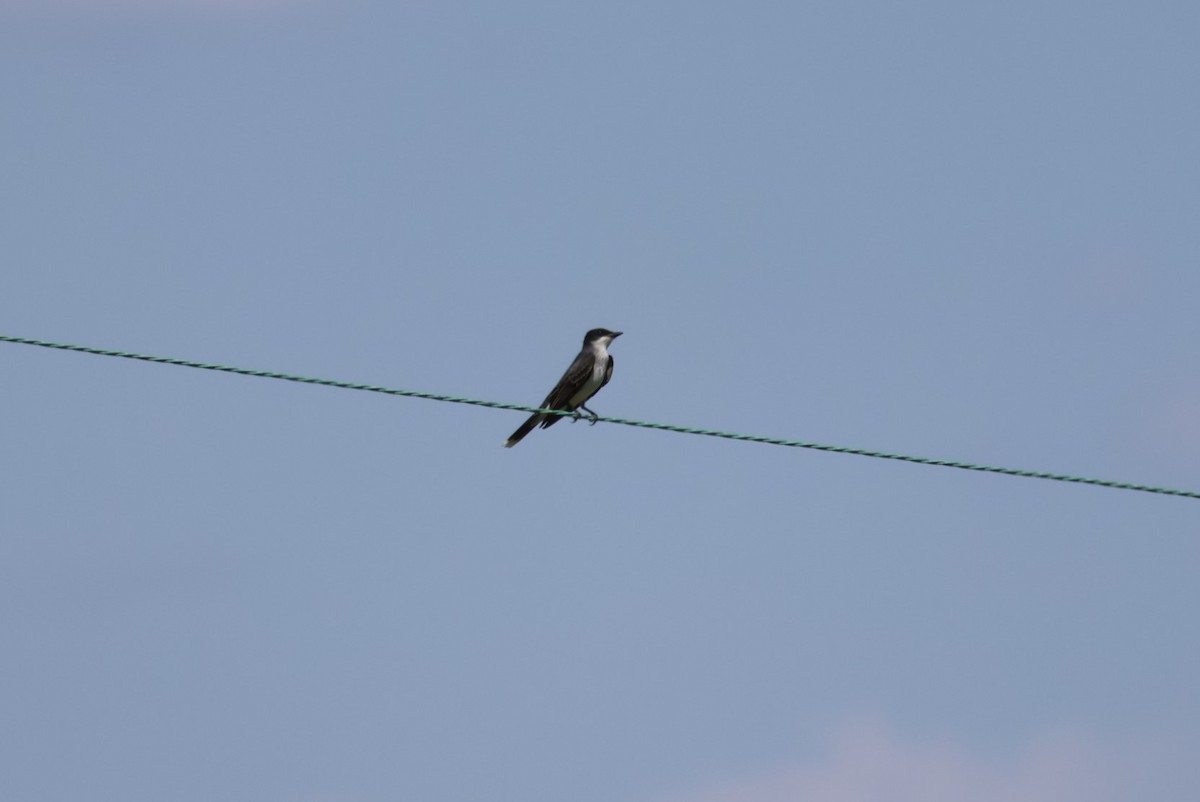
(590, 371)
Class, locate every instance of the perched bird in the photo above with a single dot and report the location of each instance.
(590, 371)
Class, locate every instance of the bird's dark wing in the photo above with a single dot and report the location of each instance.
(607, 373)
(575, 377)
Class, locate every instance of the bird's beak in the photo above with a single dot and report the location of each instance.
(617, 334)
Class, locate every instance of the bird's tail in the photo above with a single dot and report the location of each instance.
(526, 427)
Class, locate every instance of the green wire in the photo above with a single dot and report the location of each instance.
(774, 441)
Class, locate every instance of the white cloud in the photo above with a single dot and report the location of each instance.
(866, 762)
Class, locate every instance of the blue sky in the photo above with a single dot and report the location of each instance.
(955, 230)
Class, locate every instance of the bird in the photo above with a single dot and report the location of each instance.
(590, 371)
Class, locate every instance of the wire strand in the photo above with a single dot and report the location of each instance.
(666, 427)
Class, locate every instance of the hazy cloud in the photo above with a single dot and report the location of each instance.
(1170, 425)
(867, 762)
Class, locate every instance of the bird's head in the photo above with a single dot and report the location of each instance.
(600, 336)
